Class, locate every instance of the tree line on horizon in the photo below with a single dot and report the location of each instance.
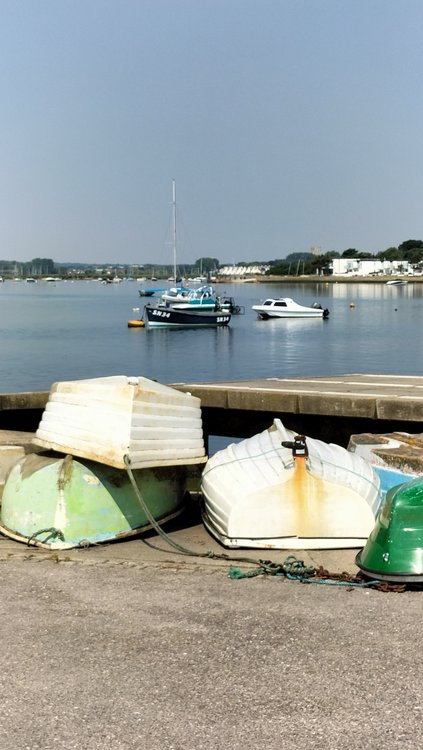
(410, 251)
(310, 264)
(38, 267)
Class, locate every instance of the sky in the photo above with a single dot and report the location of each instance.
(285, 124)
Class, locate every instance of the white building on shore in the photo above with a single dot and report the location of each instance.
(241, 271)
(358, 267)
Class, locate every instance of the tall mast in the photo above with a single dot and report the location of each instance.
(174, 228)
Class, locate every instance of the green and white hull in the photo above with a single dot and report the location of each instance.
(60, 502)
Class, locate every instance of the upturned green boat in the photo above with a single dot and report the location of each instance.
(394, 549)
(60, 502)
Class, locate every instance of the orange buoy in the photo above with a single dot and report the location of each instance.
(136, 324)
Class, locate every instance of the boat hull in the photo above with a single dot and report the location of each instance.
(282, 542)
(285, 307)
(266, 314)
(169, 317)
(118, 419)
(394, 549)
(206, 306)
(61, 503)
(257, 495)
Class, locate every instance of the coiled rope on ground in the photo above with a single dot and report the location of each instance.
(292, 568)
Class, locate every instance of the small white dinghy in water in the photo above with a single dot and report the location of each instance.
(284, 491)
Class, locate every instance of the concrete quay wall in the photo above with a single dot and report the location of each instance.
(329, 408)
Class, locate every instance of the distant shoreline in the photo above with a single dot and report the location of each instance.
(320, 279)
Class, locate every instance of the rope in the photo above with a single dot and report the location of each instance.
(54, 534)
(292, 568)
(156, 526)
(291, 565)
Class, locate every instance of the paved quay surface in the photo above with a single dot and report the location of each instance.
(371, 396)
(379, 397)
(132, 646)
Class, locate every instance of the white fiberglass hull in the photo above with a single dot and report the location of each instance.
(300, 312)
(285, 307)
(305, 313)
(256, 495)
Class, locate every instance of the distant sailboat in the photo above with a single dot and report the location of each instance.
(175, 293)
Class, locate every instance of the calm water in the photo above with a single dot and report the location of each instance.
(67, 331)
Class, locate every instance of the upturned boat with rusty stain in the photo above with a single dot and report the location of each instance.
(286, 491)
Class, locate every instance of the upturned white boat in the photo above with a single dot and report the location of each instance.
(134, 440)
(113, 418)
(284, 491)
(285, 307)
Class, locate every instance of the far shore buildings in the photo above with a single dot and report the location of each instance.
(243, 271)
(357, 267)
(339, 267)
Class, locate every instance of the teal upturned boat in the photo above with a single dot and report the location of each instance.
(60, 502)
(394, 549)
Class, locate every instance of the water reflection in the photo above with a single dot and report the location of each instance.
(375, 291)
(72, 331)
(185, 354)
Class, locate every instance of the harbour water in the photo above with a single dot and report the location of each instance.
(73, 330)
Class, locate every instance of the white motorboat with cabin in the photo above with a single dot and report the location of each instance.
(285, 491)
(285, 307)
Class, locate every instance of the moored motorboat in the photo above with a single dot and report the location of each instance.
(204, 298)
(176, 294)
(285, 307)
(164, 316)
(278, 490)
(149, 292)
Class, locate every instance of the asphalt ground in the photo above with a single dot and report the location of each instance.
(133, 646)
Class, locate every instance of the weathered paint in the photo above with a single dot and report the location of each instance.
(256, 494)
(85, 501)
(108, 419)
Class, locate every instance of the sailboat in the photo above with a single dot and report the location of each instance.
(194, 312)
(175, 293)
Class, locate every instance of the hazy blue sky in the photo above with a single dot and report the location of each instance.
(285, 123)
